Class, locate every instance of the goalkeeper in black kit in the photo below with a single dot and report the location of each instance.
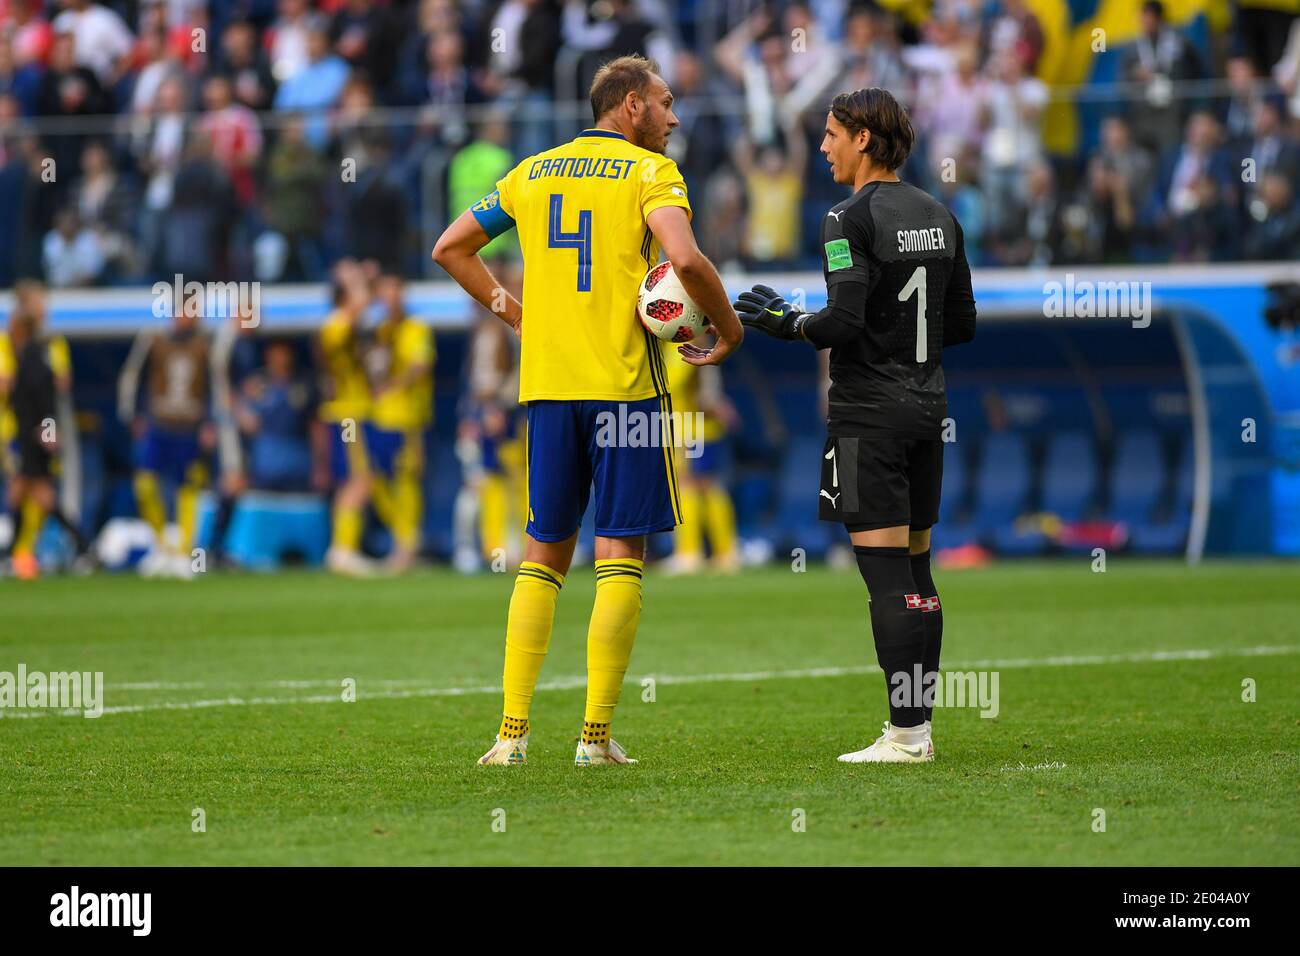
(898, 291)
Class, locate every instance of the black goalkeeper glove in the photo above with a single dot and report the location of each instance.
(763, 309)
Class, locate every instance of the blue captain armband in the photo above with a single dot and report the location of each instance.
(491, 216)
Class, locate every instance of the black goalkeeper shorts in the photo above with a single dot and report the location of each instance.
(31, 459)
(871, 483)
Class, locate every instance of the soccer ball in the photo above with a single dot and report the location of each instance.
(665, 309)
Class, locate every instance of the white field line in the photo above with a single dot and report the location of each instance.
(571, 683)
(565, 683)
(287, 684)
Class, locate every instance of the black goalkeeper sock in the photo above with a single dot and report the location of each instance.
(220, 524)
(931, 618)
(16, 516)
(66, 524)
(897, 628)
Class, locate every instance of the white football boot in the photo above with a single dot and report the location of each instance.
(350, 564)
(683, 565)
(595, 755)
(895, 745)
(506, 753)
(155, 564)
(181, 567)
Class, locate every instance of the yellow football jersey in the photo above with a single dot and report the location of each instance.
(8, 366)
(60, 359)
(347, 391)
(399, 347)
(60, 356)
(580, 210)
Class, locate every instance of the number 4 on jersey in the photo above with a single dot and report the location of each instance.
(557, 238)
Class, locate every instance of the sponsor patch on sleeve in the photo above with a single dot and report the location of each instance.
(838, 255)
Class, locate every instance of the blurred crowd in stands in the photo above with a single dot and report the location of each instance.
(267, 139)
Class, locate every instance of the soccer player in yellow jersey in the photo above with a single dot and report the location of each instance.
(346, 409)
(399, 360)
(707, 511)
(491, 446)
(592, 216)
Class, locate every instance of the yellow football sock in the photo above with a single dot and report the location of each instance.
(347, 528)
(514, 478)
(688, 538)
(516, 499)
(407, 510)
(720, 517)
(528, 634)
(492, 514)
(614, 619)
(149, 502)
(512, 728)
(187, 514)
(33, 516)
(595, 732)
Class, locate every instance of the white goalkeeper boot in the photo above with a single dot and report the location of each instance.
(509, 752)
(896, 745)
(595, 755)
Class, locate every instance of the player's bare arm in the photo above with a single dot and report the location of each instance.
(457, 252)
(672, 228)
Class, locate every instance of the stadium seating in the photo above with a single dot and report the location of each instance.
(1163, 528)
(956, 527)
(1136, 478)
(1002, 484)
(1069, 475)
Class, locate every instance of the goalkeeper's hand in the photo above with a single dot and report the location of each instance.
(763, 309)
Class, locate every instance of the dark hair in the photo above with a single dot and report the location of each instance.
(616, 79)
(876, 110)
(1155, 8)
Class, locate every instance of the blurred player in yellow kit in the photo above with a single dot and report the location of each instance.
(346, 410)
(35, 379)
(493, 504)
(399, 361)
(592, 216)
(174, 436)
(707, 510)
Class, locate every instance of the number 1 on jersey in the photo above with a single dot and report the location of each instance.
(557, 238)
(917, 284)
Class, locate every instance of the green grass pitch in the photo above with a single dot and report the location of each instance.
(225, 695)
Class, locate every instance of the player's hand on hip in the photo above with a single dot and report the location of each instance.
(764, 309)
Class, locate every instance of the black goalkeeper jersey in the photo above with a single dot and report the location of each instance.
(32, 394)
(906, 249)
